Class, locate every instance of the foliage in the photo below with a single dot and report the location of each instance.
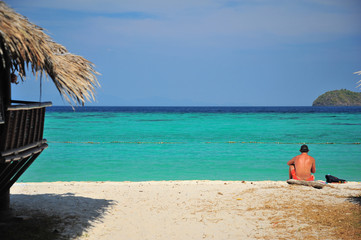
(341, 97)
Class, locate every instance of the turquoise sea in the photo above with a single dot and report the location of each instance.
(188, 143)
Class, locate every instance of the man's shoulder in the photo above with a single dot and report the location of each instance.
(304, 157)
(311, 157)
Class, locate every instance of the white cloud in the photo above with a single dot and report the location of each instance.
(111, 6)
(250, 24)
(203, 22)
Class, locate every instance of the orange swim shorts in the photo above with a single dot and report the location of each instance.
(294, 176)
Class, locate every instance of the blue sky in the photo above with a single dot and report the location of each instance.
(204, 53)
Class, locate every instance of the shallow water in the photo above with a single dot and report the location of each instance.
(249, 143)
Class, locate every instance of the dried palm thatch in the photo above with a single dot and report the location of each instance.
(25, 42)
(359, 82)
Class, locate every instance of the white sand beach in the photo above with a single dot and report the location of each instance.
(190, 209)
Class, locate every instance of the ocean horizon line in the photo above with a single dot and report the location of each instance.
(209, 109)
(211, 106)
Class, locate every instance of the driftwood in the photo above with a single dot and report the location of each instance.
(318, 185)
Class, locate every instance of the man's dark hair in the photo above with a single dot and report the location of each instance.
(304, 148)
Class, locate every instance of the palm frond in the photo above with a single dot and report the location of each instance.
(26, 44)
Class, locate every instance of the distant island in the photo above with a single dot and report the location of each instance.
(341, 97)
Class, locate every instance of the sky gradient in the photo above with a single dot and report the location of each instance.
(204, 53)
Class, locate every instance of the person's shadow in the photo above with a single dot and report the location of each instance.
(52, 216)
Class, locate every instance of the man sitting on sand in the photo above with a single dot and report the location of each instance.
(302, 166)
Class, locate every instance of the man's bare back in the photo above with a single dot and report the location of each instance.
(302, 165)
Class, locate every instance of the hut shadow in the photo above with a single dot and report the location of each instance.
(65, 216)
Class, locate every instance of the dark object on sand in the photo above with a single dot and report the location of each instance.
(333, 179)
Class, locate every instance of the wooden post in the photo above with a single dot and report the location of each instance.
(5, 77)
(5, 85)
(5, 201)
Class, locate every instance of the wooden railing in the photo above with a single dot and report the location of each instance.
(21, 140)
(24, 125)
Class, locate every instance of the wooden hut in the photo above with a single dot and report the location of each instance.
(24, 45)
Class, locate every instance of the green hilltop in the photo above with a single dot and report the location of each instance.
(341, 97)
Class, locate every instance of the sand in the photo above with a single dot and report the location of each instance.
(188, 209)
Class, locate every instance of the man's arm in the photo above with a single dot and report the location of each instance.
(313, 168)
(291, 162)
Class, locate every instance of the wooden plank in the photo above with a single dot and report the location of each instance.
(2, 116)
(26, 123)
(33, 105)
(15, 132)
(15, 151)
(21, 169)
(42, 120)
(8, 174)
(21, 128)
(25, 154)
(36, 125)
(314, 184)
(8, 130)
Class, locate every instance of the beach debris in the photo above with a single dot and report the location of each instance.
(315, 184)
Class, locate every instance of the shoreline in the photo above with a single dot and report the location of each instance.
(194, 180)
(192, 209)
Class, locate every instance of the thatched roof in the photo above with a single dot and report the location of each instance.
(359, 82)
(25, 42)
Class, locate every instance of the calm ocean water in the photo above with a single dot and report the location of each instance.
(187, 143)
